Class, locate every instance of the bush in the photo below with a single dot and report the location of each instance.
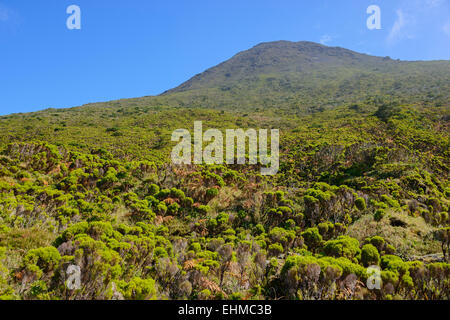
(379, 214)
(369, 255)
(387, 111)
(259, 229)
(161, 208)
(360, 203)
(203, 209)
(153, 189)
(391, 202)
(195, 246)
(275, 249)
(343, 246)
(173, 208)
(212, 192)
(188, 202)
(312, 237)
(222, 218)
(41, 260)
(281, 235)
(177, 193)
(236, 296)
(138, 289)
(163, 194)
(376, 241)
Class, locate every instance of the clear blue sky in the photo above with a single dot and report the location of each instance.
(134, 48)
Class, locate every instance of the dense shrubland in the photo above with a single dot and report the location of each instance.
(358, 186)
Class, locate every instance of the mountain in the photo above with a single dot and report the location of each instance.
(279, 58)
(303, 76)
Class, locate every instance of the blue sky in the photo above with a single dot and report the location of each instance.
(135, 48)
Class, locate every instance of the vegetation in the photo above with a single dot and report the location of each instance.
(363, 181)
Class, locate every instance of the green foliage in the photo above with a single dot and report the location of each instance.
(312, 237)
(275, 249)
(153, 189)
(138, 289)
(369, 255)
(379, 214)
(212, 192)
(41, 260)
(387, 111)
(343, 246)
(360, 203)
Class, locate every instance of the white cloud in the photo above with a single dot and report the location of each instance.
(402, 27)
(414, 17)
(325, 39)
(434, 3)
(396, 31)
(446, 28)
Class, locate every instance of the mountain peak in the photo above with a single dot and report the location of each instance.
(277, 57)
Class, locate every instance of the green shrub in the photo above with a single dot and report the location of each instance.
(173, 208)
(275, 249)
(312, 237)
(203, 209)
(195, 246)
(379, 214)
(360, 203)
(222, 218)
(41, 260)
(138, 289)
(281, 235)
(393, 203)
(369, 255)
(259, 229)
(343, 246)
(212, 192)
(153, 189)
(176, 193)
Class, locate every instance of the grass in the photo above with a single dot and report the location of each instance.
(415, 239)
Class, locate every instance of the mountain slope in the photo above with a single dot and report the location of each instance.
(280, 57)
(303, 76)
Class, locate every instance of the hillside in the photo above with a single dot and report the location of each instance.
(305, 76)
(363, 181)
